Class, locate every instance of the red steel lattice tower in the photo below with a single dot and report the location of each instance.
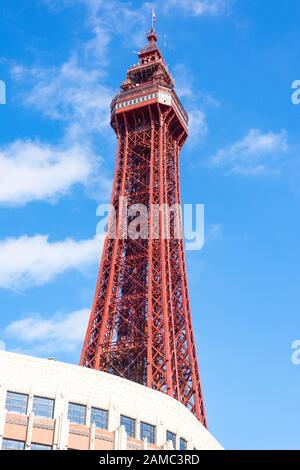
(140, 326)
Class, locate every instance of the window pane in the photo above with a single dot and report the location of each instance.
(129, 424)
(9, 444)
(39, 447)
(171, 437)
(76, 413)
(16, 403)
(148, 431)
(43, 407)
(99, 417)
(182, 444)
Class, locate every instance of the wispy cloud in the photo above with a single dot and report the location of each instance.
(184, 82)
(68, 93)
(258, 153)
(213, 232)
(28, 261)
(76, 94)
(196, 102)
(197, 7)
(190, 95)
(197, 125)
(31, 171)
(36, 334)
(103, 21)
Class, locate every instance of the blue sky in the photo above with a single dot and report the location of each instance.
(234, 63)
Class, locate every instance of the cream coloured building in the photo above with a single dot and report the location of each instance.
(45, 404)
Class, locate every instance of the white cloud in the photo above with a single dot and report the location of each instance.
(197, 125)
(40, 335)
(29, 261)
(79, 89)
(2, 345)
(106, 20)
(103, 19)
(257, 153)
(214, 232)
(184, 82)
(114, 10)
(195, 101)
(76, 94)
(69, 93)
(197, 7)
(36, 171)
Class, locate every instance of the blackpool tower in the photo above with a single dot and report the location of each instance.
(140, 326)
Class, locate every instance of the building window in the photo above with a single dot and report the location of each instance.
(148, 431)
(129, 424)
(182, 444)
(76, 413)
(43, 407)
(99, 417)
(9, 444)
(40, 447)
(171, 437)
(16, 403)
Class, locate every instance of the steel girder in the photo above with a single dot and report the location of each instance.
(140, 326)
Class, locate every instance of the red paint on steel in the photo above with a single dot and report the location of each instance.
(140, 326)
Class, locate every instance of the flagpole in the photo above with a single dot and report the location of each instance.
(153, 18)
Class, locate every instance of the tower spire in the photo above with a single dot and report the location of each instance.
(152, 35)
(153, 18)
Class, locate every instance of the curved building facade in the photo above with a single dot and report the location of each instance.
(45, 404)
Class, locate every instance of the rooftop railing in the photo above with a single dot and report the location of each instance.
(144, 88)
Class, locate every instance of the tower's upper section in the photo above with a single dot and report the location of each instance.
(151, 67)
(149, 83)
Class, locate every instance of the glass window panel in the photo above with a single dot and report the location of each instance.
(76, 413)
(99, 417)
(9, 444)
(148, 431)
(16, 402)
(43, 407)
(182, 444)
(171, 437)
(34, 446)
(129, 424)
